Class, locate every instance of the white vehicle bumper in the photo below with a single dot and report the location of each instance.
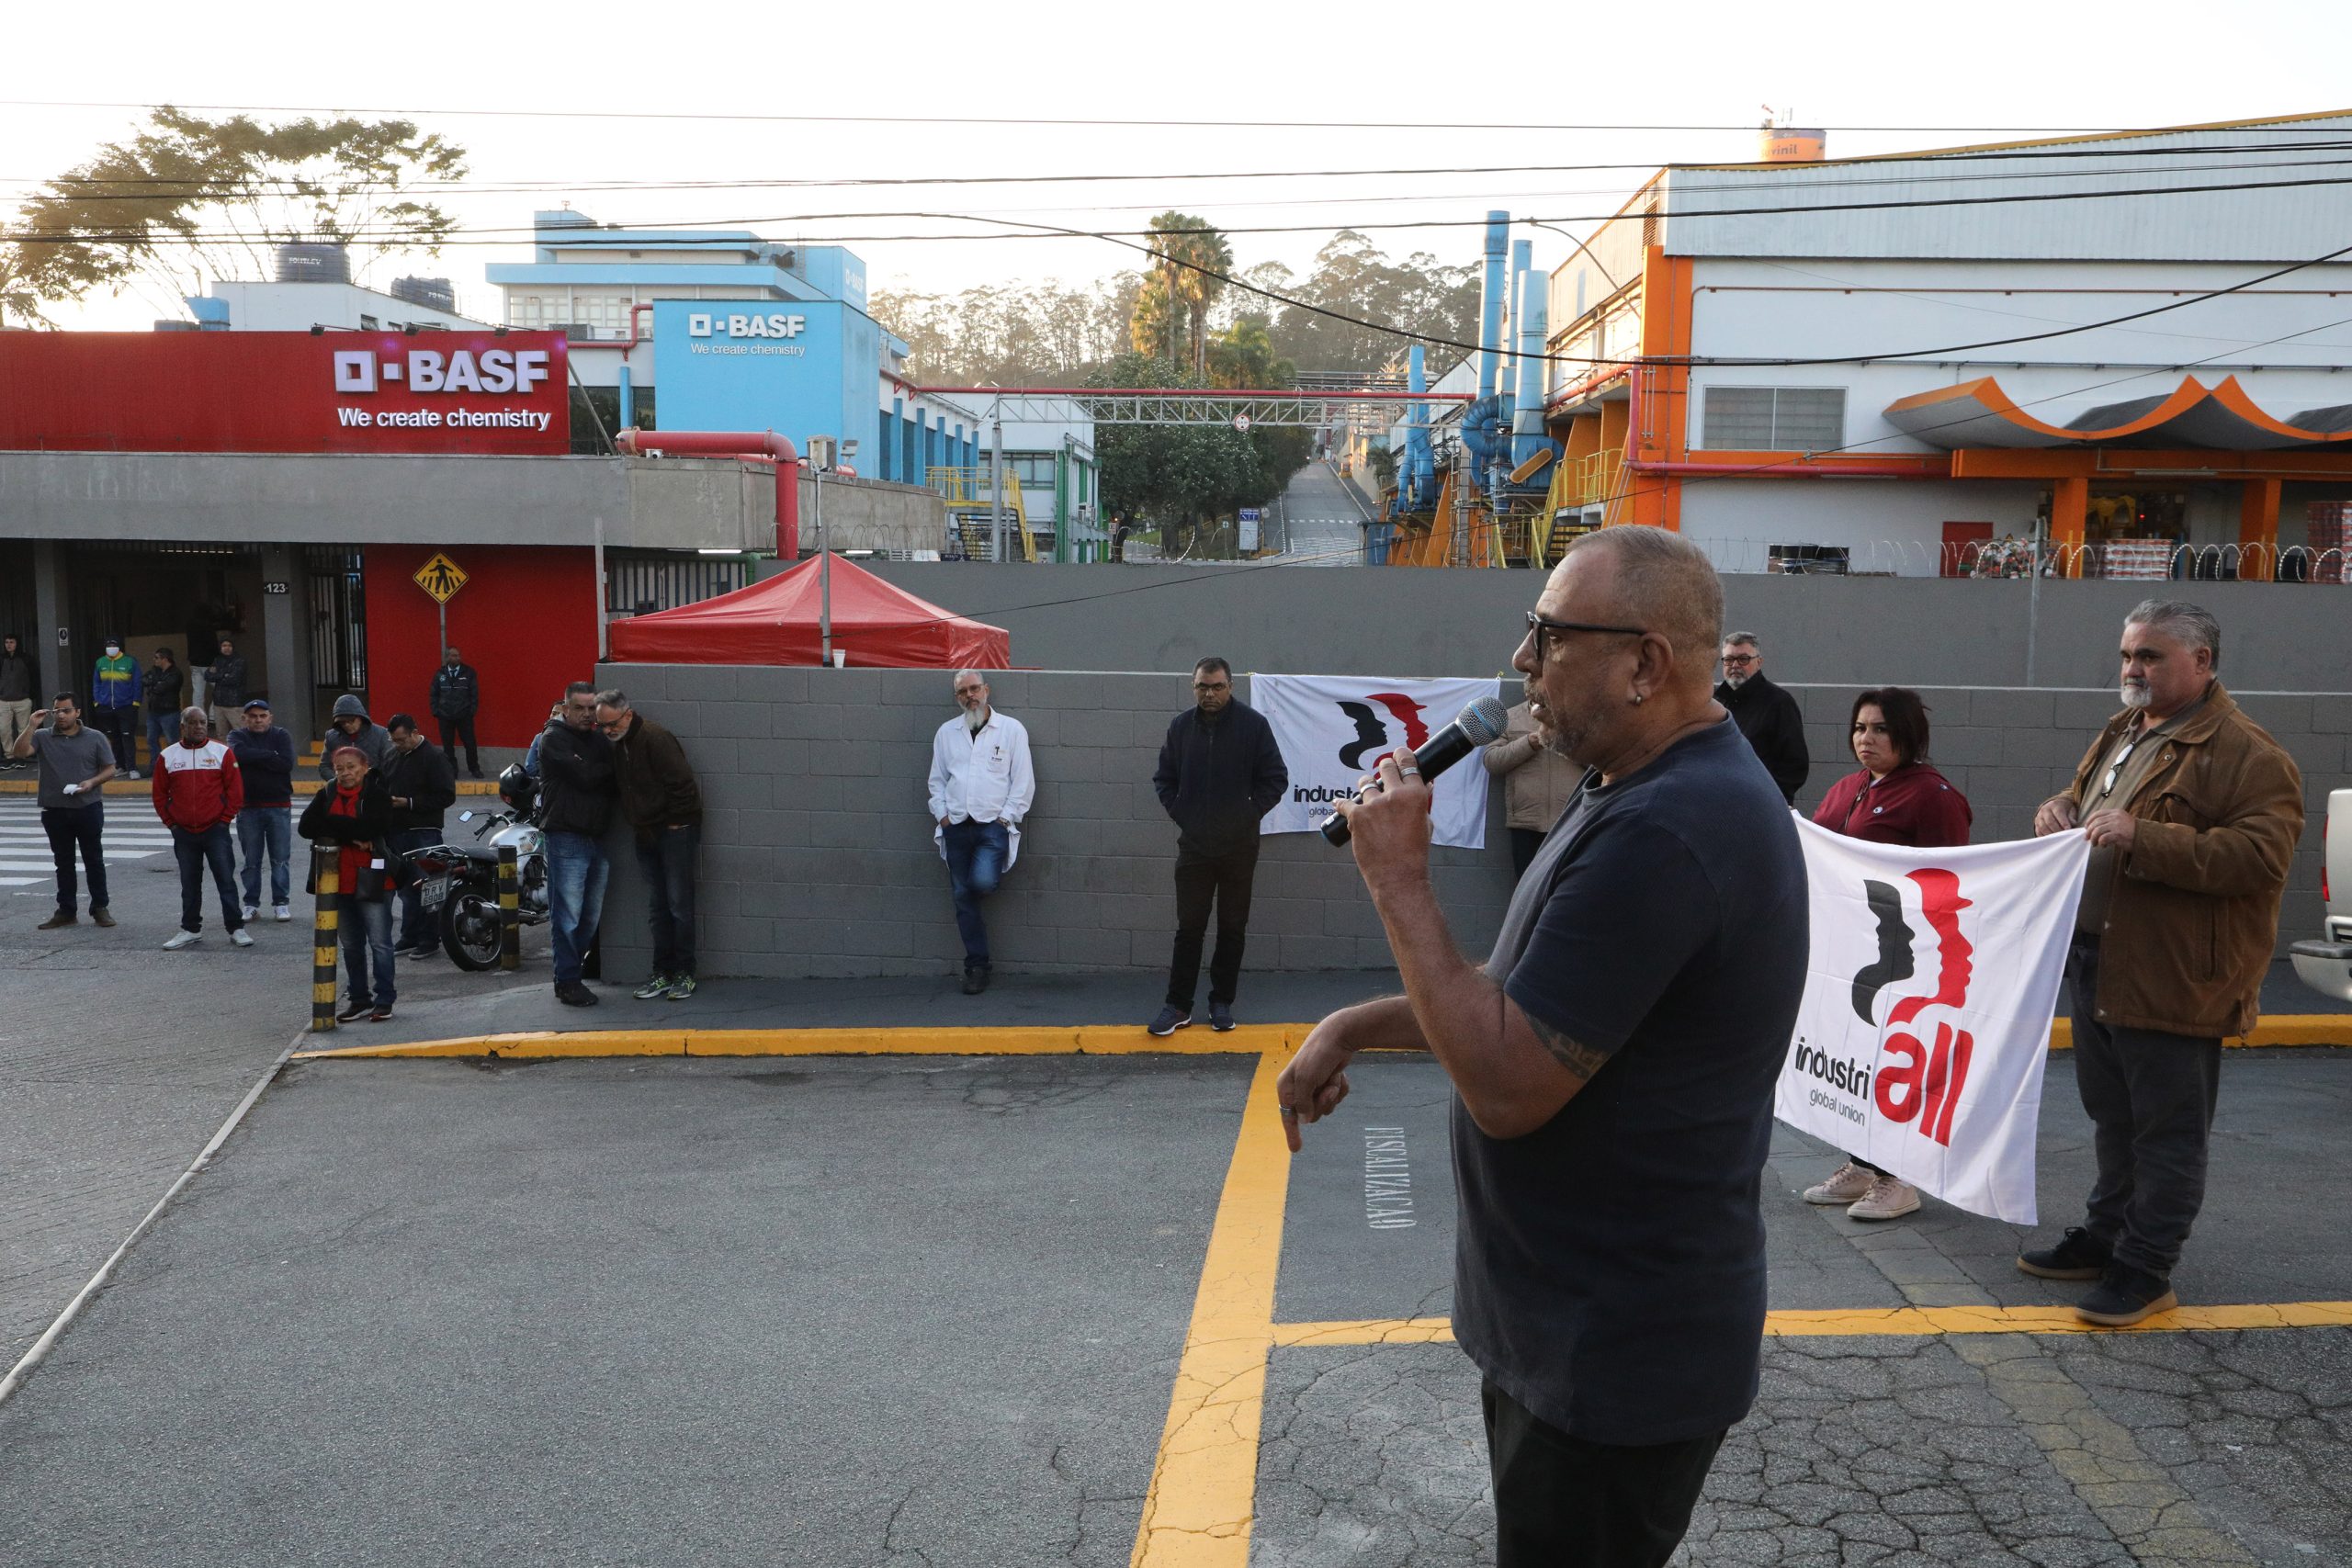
(2325, 968)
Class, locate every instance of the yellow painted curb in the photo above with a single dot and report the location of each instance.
(2287, 1029)
(1088, 1040)
(1794, 1323)
(1093, 1040)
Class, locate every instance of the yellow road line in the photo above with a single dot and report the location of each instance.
(1202, 1498)
(1100, 1040)
(1862, 1322)
(1092, 1040)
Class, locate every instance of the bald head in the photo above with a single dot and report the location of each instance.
(1661, 583)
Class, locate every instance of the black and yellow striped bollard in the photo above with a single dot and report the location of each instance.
(326, 866)
(510, 909)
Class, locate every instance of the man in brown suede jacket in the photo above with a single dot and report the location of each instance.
(2192, 812)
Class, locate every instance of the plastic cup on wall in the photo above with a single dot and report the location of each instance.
(840, 659)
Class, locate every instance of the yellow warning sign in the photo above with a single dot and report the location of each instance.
(441, 577)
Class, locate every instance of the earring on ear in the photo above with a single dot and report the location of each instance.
(1637, 699)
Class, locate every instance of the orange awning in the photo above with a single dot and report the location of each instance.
(2224, 418)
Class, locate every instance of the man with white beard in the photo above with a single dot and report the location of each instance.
(2192, 812)
(981, 787)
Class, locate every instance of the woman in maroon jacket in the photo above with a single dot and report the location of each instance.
(1895, 798)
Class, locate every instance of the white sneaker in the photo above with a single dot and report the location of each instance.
(283, 913)
(242, 937)
(1887, 1200)
(1847, 1184)
(180, 939)
(250, 912)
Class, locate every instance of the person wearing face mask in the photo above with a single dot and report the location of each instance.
(114, 705)
(1897, 799)
(982, 786)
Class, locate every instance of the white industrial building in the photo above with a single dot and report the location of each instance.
(1891, 362)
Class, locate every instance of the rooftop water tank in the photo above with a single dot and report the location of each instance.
(313, 264)
(1791, 144)
(432, 293)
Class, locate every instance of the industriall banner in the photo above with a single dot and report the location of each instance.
(1926, 1020)
(1334, 728)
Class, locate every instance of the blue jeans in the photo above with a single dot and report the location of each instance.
(577, 871)
(667, 862)
(77, 827)
(268, 828)
(195, 852)
(976, 856)
(416, 929)
(364, 927)
(163, 730)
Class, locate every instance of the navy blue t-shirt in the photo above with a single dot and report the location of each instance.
(1608, 1270)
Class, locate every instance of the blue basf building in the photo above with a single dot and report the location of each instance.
(803, 370)
(717, 329)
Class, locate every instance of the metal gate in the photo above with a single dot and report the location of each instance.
(337, 597)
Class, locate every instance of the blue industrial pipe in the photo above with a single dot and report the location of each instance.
(629, 399)
(1417, 482)
(1529, 313)
(1491, 311)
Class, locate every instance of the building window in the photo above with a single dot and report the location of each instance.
(1035, 469)
(1774, 419)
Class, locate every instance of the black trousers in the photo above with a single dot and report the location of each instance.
(453, 730)
(1223, 879)
(1561, 1502)
(1524, 842)
(119, 726)
(2151, 1097)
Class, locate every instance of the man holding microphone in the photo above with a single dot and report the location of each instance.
(1613, 1062)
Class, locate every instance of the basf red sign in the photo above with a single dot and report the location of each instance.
(451, 391)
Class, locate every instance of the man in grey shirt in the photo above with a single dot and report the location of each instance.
(76, 763)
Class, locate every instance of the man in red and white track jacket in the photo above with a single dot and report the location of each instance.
(198, 792)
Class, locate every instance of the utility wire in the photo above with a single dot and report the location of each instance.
(592, 238)
(2299, 125)
(518, 186)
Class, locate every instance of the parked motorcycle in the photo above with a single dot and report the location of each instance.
(458, 882)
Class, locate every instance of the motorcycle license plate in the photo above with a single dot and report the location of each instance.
(436, 891)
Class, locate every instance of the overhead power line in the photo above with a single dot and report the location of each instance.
(518, 186)
(2284, 128)
(508, 234)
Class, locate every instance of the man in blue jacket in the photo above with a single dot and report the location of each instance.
(266, 757)
(1219, 773)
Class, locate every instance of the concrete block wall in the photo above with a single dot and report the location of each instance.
(818, 858)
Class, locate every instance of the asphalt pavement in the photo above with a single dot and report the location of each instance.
(118, 1060)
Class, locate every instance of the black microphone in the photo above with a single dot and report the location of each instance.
(1476, 726)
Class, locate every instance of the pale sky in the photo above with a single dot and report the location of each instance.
(1987, 72)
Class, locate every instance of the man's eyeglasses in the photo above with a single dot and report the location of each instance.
(1734, 658)
(1538, 626)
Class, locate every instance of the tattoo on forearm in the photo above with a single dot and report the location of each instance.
(1581, 1060)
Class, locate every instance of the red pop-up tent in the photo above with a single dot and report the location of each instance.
(775, 622)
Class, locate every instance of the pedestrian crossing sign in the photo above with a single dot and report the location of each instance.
(441, 577)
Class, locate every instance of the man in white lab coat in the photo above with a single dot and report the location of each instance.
(981, 785)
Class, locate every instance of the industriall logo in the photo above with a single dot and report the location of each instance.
(1921, 1083)
(1371, 733)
